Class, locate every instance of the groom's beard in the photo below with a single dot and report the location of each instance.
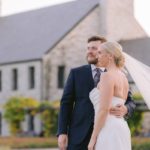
(91, 60)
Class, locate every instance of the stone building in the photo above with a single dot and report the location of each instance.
(38, 48)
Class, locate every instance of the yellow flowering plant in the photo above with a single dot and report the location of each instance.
(49, 117)
(15, 110)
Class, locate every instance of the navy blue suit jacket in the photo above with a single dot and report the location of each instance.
(76, 110)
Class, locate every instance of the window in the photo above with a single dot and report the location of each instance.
(31, 123)
(31, 77)
(0, 80)
(61, 71)
(14, 79)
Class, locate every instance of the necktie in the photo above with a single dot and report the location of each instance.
(97, 76)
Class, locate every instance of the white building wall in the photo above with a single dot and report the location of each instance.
(23, 85)
(23, 81)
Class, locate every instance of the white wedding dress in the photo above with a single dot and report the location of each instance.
(115, 135)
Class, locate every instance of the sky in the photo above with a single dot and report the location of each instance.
(142, 11)
(10, 7)
(16, 6)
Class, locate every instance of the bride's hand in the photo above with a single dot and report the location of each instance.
(92, 144)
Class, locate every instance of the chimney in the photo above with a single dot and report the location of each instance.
(118, 21)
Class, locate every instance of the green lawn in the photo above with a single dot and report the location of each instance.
(141, 143)
(19, 142)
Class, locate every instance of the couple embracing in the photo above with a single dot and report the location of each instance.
(96, 101)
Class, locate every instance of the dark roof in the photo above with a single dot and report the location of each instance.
(138, 48)
(28, 36)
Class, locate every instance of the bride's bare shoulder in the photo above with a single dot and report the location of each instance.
(107, 76)
(106, 80)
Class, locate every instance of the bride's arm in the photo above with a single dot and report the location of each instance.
(106, 94)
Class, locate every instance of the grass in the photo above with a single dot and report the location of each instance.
(16, 142)
(139, 140)
(36, 142)
(140, 143)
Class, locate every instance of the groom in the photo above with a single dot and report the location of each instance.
(76, 116)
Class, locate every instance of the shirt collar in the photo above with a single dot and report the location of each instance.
(94, 67)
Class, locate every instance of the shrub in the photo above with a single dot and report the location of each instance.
(49, 115)
(17, 107)
(15, 110)
(137, 96)
(135, 122)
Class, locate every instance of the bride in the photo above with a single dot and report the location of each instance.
(110, 132)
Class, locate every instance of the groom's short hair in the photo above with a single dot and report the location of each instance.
(97, 38)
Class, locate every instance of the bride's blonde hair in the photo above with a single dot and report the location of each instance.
(115, 49)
